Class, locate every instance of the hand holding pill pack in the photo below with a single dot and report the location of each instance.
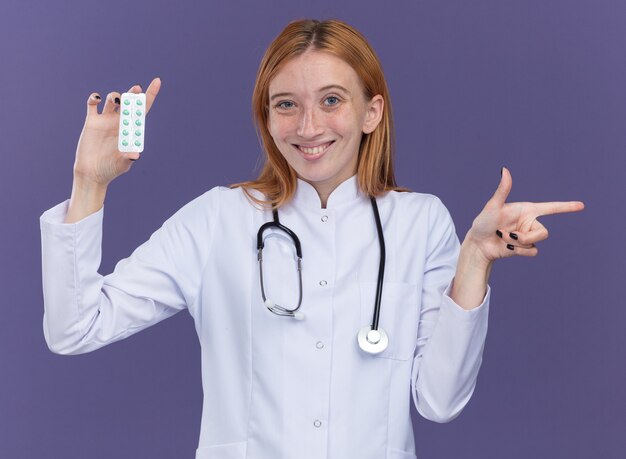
(132, 122)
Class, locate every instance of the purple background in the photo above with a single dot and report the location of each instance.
(537, 86)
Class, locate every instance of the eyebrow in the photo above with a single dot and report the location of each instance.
(325, 88)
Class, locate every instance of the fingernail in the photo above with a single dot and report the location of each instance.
(117, 100)
(499, 233)
(513, 236)
(510, 246)
(97, 97)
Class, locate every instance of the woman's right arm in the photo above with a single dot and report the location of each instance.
(84, 310)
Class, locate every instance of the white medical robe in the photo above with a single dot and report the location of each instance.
(274, 387)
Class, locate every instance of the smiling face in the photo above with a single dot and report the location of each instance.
(318, 114)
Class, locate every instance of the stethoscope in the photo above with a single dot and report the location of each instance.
(371, 339)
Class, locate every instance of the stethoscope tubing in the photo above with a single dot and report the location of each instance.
(371, 339)
(277, 224)
(381, 265)
(273, 307)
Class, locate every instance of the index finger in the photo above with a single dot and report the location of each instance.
(549, 208)
(152, 92)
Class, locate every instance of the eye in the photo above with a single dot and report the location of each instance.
(285, 105)
(331, 101)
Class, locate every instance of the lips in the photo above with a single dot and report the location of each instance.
(314, 150)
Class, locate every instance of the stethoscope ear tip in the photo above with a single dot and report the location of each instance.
(298, 315)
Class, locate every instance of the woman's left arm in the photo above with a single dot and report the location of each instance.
(501, 230)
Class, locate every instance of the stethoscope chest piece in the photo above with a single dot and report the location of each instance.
(372, 341)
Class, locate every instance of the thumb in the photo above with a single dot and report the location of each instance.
(503, 190)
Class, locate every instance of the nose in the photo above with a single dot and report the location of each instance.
(308, 124)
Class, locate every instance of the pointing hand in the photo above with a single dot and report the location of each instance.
(505, 229)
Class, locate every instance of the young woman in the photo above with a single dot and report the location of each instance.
(325, 298)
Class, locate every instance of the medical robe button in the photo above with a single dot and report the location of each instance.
(317, 423)
(319, 345)
(323, 283)
(324, 218)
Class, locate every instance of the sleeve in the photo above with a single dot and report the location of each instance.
(84, 311)
(450, 339)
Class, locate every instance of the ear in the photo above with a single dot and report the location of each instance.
(374, 113)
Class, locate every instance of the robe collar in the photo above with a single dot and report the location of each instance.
(345, 193)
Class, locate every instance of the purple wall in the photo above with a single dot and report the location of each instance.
(537, 86)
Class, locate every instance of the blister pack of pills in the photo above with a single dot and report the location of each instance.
(132, 122)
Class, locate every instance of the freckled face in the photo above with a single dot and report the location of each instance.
(317, 116)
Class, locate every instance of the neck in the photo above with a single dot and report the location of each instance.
(323, 192)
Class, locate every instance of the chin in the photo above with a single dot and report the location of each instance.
(313, 176)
